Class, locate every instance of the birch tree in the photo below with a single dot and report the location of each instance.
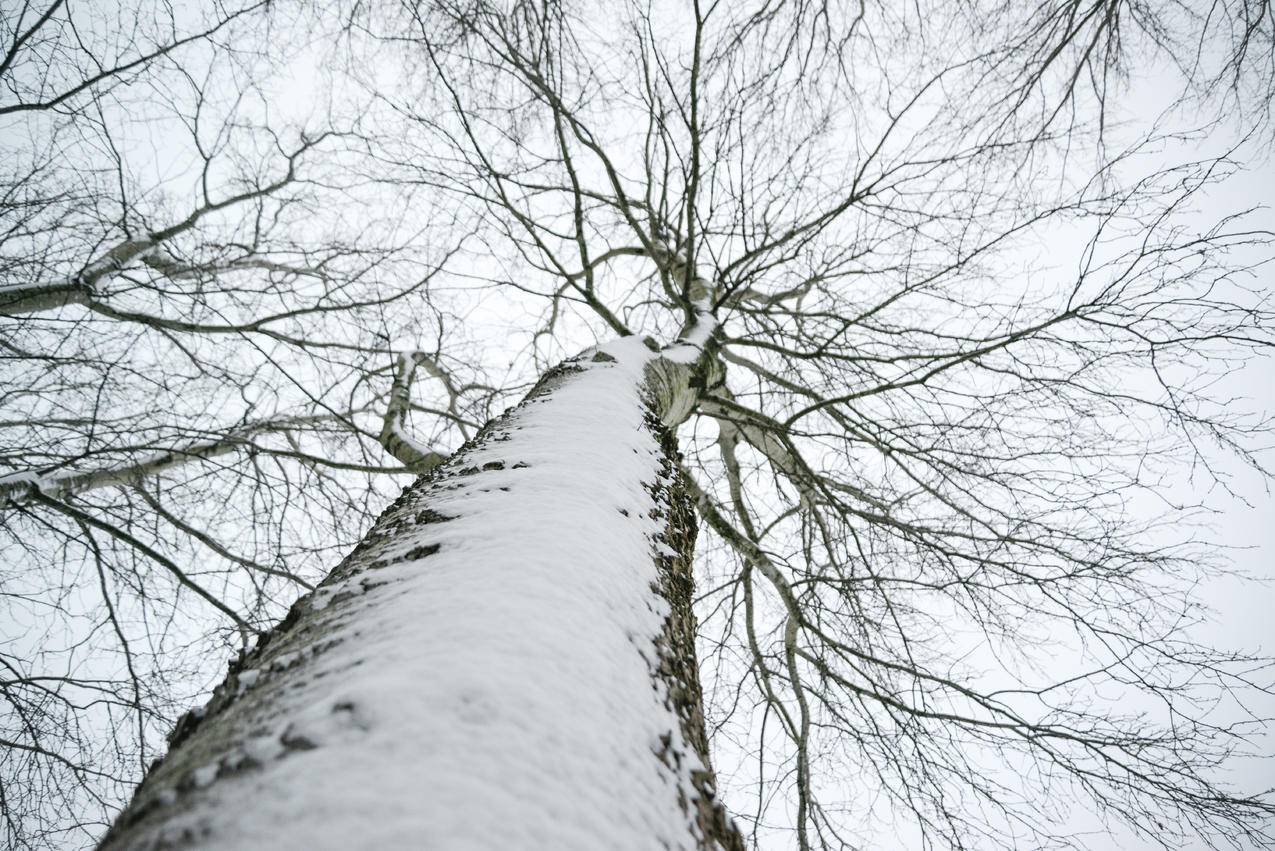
(197, 378)
(783, 271)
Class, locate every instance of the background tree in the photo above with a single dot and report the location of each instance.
(198, 375)
(921, 452)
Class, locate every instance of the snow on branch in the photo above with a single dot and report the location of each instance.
(394, 435)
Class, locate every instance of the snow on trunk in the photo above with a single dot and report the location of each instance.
(505, 661)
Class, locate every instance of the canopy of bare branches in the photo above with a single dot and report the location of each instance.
(261, 262)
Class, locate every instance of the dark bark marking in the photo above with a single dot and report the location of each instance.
(676, 663)
(294, 740)
(429, 515)
(418, 552)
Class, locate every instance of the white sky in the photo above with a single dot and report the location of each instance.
(1245, 611)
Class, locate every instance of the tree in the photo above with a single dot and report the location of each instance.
(513, 599)
(197, 378)
(915, 448)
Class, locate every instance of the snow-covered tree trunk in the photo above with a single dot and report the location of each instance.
(506, 660)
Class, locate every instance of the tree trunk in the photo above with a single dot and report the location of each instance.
(505, 661)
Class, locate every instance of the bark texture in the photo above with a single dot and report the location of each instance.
(282, 701)
(677, 664)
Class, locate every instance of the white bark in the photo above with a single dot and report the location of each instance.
(506, 661)
(58, 485)
(21, 299)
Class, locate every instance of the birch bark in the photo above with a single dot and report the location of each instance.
(505, 661)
